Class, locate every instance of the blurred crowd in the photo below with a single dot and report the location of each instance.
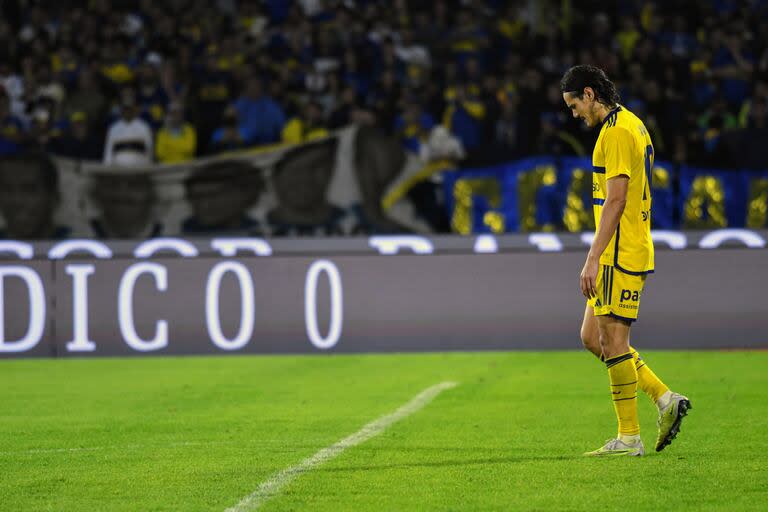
(137, 81)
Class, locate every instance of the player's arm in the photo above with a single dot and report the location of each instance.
(618, 146)
(615, 201)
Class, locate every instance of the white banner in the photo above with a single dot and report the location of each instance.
(334, 186)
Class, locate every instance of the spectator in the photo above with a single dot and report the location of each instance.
(353, 75)
(66, 66)
(129, 139)
(709, 148)
(754, 139)
(505, 130)
(29, 195)
(230, 135)
(49, 90)
(12, 85)
(532, 103)
(469, 37)
(211, 91)
(150, 95)
(413, 126)
(344, 112)
(734, 65)
(43, 131)
(117, 66)
(89, 99)
(306, 127)
(78, 140)
(12, 133)
(177, 139)
(552, 140)
(414, 56)
(261, 118)
(465, 114)
(385, 99)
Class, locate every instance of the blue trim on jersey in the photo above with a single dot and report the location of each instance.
(598, 202)
(598, 170)
(611, 117)
(633, 273)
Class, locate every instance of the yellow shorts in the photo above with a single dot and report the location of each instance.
(618, 294)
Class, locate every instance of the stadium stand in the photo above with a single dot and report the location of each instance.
(209, 77)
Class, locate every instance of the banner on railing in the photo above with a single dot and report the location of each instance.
(328, 187)
(356, 182)
(555, 194)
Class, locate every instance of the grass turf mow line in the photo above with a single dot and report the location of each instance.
(275, 484)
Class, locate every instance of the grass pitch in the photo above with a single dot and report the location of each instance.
(200, 433)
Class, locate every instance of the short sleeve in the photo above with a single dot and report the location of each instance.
(618, 148)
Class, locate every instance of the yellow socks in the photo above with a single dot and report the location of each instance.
(623, 377)
(646, 379)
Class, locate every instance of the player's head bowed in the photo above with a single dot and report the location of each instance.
(578, 78)
(589, 93)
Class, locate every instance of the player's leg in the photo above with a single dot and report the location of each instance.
(624, 293)
(621, 295)
(646, 379)
(672, 406)
(590, 336)
(614, 342)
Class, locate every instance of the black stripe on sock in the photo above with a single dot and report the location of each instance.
(620, 399)
(618, 359)
(643, 364)
(627, 384)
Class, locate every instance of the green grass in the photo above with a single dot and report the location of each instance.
(200, 433)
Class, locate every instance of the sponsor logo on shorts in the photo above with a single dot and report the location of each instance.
(630, 295)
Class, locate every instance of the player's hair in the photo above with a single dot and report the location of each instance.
(578, 77)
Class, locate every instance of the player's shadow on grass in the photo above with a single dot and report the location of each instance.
(447, 463)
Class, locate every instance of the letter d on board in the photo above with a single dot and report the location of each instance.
(36, 309)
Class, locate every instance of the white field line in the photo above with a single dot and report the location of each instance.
(277, 482)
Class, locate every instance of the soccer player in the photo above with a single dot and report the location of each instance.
(620, 258)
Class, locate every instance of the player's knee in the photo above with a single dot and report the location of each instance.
(613, 346)
(591, 341)
(604, 342)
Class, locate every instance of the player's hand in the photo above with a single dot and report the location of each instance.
(588, 279)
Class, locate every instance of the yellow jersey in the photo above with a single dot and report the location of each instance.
(624, 147)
